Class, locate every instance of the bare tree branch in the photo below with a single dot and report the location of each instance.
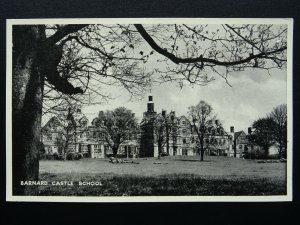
(200, 58)
(63, 32)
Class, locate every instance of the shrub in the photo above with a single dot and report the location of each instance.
(71, 156)
(74, 156)
(121, 156)
(55, 156)
(79, 156)
(48, 156)
(164, 154)
(83, 155)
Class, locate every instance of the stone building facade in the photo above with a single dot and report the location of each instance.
(159, 132)
(86, 139)
(179, 138)
(51, 131)
(164, 132)
(238, 143)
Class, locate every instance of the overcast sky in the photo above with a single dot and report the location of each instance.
(253, 94)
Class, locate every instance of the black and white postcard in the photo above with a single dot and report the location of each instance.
(149, 110)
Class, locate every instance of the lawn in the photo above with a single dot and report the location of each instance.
(180, 175)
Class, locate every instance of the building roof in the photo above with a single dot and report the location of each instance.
(52, 120)
(237, 134)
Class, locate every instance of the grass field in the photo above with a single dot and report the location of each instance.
(168, 176)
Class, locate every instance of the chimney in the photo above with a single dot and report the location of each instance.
(133, 114)
(249, 130)
(101, 114)
(164, 112)
(172, 113)
(217, 122)
(232, 129)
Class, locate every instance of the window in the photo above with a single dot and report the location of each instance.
(192, 140)
(184, 141)
(84, 148)
(184, 131)
(183, 122)
(84, 123)
(240, 146)
(97, 148)
(174, 151)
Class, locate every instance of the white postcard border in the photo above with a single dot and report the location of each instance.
(278, 198)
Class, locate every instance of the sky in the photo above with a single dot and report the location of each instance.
(253, 94)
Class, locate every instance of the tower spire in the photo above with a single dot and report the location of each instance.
(150, 104)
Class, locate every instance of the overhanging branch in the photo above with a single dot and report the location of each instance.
(63, 32)
(202, 59)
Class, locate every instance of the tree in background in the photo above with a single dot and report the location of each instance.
(120, 125)
(160, 132)
(79, 59)
(204, 124)
(65, 109)
(279, 115)
(264, 133)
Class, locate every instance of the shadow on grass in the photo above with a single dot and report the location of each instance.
(192, 160)
(167, 185)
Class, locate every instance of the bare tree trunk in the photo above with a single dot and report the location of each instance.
(27, 107)
(280, 142)
(201, 154)
(159, 149)
(65, 149)
(201, 148)
(266, 148)
(234, 149)
(167, 139)
(115, 150)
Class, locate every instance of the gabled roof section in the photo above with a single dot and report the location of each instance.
(237, 134)
(83, 118)
(52, 120)
(184, 118)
